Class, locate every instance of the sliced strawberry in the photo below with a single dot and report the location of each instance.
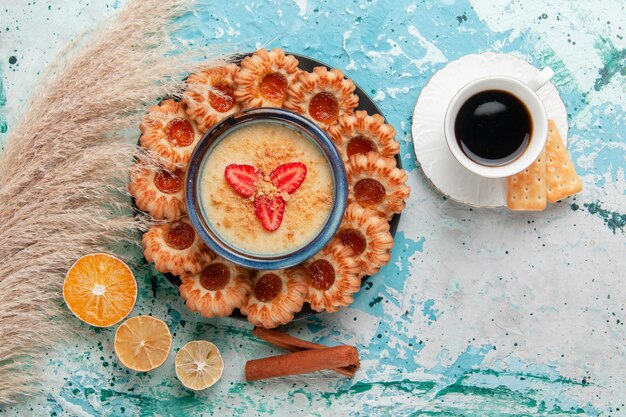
(289, 177)
(269, 210)
(242, 178)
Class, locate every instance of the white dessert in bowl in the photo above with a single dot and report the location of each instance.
(266, 146)
(267, 189)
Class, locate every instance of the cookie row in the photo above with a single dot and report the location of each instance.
(377, 189)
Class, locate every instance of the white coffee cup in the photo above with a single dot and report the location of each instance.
(526, 92)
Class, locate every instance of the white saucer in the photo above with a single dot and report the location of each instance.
(436, 160)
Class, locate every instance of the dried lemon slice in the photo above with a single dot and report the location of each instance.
(100, 289)
(199, 364)
(142, 343)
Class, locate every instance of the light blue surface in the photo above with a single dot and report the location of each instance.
(480, 312)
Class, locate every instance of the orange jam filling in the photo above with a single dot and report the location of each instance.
(215, 277)
(324, 107)
(169, 183)
(354, 239)
(360, 144)
(222, 97)
(268, 287)
(273, 87)
(180, 236)
(321, 274)
(369, 192)
(179, 132)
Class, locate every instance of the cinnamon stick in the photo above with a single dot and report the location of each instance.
(348, 371)
(293, 344)
(272, 335)
(301, 362)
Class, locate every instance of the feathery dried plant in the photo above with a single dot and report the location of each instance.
(64, 173)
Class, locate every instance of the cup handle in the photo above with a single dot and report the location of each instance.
(540, 79)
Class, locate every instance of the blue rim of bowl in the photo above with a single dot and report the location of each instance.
(218, 133)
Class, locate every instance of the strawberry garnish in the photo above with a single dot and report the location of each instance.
(269, 210)
(242, 178)
(289, 177)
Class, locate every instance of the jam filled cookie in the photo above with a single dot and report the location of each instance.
(160, 193)
(367, 234)
(210, 95)
(217, 290)
(175, 248)
(167, 130)
(376, 183)
(276, 296)
(360, 133)
(332, 276)
(322, 95)
(264, 78)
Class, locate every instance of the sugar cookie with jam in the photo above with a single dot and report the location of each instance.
(332, 277)
(217, 289)
(158, 192)
(167, 130)
(210, 95)
(376, 183)
(175, 247)
(264, 78)
(368, 236)
(360, 133)
(322, 95)
(276, 296)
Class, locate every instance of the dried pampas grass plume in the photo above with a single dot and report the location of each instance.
(64, 172)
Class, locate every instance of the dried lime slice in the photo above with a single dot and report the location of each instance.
(142, 343)
(199, 364)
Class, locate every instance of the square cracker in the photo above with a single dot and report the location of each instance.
(527, 189)
(561, 177)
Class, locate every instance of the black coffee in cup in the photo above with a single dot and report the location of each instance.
(493, 127)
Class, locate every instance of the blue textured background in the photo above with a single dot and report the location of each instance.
(480, 312)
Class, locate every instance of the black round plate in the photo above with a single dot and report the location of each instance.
(365, 103)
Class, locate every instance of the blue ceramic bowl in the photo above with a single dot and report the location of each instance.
(198, 159)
